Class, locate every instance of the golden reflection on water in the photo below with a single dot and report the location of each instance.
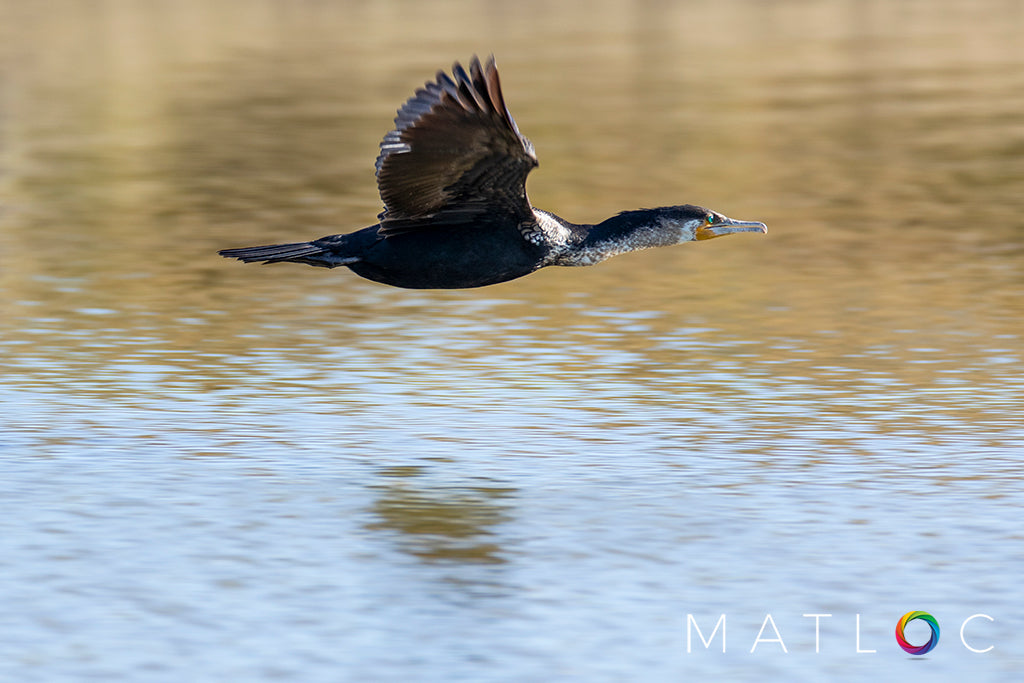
(880, 142)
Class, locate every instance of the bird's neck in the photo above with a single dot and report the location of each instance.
(628, 231)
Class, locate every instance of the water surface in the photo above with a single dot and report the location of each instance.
(214, 471)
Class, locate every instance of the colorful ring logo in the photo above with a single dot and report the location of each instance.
(917, 649)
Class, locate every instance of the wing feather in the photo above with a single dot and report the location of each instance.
(454, 155)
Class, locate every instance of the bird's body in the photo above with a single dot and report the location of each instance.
(452, 175)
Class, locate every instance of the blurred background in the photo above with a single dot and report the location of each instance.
(215, 471)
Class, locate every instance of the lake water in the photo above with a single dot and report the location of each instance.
(213, 471)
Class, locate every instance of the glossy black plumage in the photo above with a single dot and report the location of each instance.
(452, 176)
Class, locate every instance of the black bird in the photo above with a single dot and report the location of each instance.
(452, 175)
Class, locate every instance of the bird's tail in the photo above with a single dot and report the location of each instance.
(299, 252)
(273, 253)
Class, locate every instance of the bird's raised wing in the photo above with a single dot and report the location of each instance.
(455, 154)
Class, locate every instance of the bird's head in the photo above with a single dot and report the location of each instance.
(697, 223)
(646, 228)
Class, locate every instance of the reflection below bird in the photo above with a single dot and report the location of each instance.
(452, 175)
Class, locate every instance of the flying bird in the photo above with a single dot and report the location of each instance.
(452, 176)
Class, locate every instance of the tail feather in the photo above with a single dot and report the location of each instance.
(326, 252)
(273, 253)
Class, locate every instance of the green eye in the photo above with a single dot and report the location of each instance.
(711, 219)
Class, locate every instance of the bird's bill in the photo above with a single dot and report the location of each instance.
(728, 226)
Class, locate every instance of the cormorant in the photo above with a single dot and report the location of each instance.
(452, 175)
